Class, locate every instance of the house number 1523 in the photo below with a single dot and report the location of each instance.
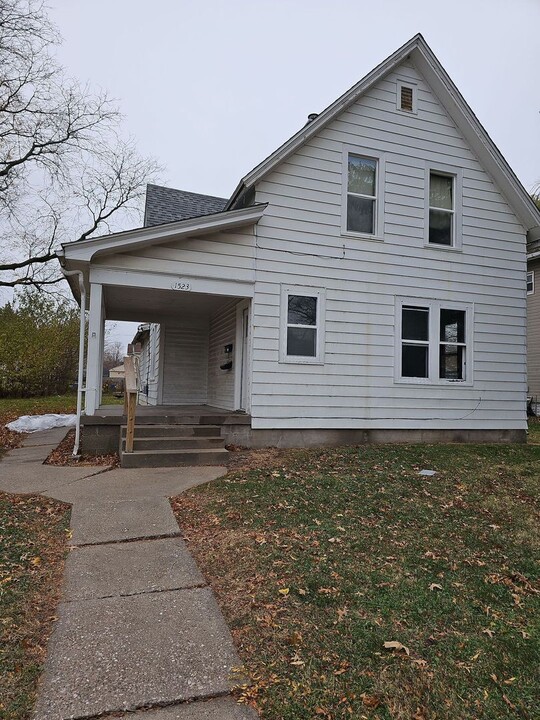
(181, 285)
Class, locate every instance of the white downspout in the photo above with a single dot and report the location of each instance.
(80, 374)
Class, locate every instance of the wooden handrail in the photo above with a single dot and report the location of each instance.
(130, 400)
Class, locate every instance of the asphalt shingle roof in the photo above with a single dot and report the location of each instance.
(164, 205)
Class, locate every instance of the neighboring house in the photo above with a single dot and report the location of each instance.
(364, 282)
(117, 372)
(146, 344)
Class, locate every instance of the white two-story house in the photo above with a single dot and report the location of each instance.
(366, 281)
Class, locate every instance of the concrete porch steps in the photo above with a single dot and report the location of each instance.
(174, 446)
(159, 430)
(175, 443)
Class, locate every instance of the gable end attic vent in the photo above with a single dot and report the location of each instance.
(406, 98)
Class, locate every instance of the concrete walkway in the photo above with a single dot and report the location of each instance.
(139, 632)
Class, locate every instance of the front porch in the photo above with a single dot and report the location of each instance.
(165, 431)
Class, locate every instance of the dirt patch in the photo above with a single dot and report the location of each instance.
(9, 439)
(62, 455)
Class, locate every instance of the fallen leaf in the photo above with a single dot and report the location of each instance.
(370, 701)
(435, 586)
(507, 701)
(283, 591)
(487, 631)
(395, 645)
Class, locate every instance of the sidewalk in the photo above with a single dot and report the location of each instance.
(138, 628)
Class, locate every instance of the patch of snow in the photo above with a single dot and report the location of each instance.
(34, 423)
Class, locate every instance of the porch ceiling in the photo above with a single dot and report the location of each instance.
(153, 305)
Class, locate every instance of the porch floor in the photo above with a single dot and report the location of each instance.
(169, 415)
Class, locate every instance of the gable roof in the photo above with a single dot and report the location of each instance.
(419, 52)
(164, 205)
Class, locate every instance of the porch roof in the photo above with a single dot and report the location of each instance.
(78, 255)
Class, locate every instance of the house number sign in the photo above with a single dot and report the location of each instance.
(182, 284)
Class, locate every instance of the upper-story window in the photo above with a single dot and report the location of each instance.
(443, 206)
(441, 209)
(362, 193)
(530, 283)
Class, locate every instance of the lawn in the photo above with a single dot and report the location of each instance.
(12, 408)
(357, 588)
(33, 533)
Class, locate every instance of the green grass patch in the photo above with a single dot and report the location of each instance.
(324, 556)
(50, 404)
(33, 531)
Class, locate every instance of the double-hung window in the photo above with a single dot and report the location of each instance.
(452, 345)
(443, 207)
(302, 316)
(530, 282)
(415, 341)
(362, 193)
(435, 342)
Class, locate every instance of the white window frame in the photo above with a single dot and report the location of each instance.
(435, 307)
(378, 216)
(401, 82)
(530, 274)
(457, 192)
(320, 294)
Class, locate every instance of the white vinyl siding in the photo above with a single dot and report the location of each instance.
(185, 375)
(300, 241)
(227, 255)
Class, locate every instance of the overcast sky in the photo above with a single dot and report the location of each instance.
(210, 88)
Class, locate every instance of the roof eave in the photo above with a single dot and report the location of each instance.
(85, 250)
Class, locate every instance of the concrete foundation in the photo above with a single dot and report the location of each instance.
(248, 437)
(102, 433)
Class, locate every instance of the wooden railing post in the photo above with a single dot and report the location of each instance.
(130, 401)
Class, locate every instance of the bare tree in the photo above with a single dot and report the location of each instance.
(64, 170)
(113, 355)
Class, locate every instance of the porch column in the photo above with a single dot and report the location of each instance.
(94, 357)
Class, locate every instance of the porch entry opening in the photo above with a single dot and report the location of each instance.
(205, 354)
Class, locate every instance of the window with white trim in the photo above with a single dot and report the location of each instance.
(361, 194)
(444, 206)
(441, 209)
(302, 325)
(530, 282)
(435, 341)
